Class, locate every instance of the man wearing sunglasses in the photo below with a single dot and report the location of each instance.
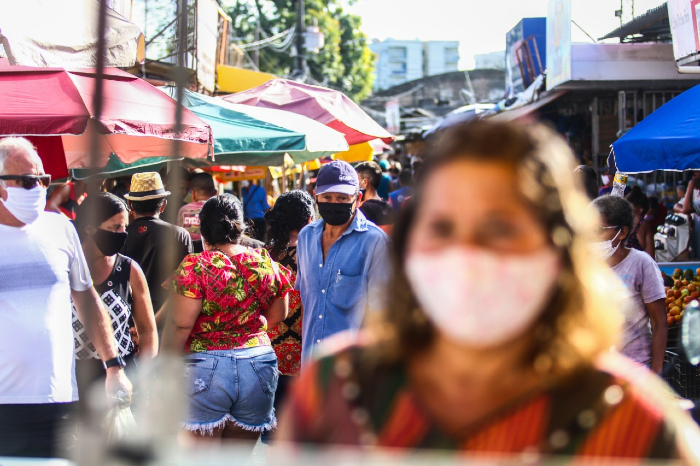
(42, 267)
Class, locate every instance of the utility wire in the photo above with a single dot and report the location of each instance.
(398, 96)
(270, 41)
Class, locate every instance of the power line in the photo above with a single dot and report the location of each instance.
(284, 36)
(398, 96)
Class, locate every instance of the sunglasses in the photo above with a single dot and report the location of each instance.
(29, 181)
(601, 230)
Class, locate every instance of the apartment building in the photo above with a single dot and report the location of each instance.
(399, 61)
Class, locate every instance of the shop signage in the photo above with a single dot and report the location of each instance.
(683, 16)
(558, 42)
(207, 36)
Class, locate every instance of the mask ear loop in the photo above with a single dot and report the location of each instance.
(615, 237)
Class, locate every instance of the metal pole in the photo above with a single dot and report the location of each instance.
(145, 36)
(301, 50)
(256, 52)
(283, 188)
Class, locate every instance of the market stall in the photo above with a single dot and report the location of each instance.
(669, 139)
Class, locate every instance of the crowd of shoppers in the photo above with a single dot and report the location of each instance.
(484, 329)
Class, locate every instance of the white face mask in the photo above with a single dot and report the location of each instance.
(605, 249)
(605, 178)
(245, 183)
(25, 204)
(481, 299)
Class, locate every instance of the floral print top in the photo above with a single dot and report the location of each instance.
(235, 291)
(286, 336)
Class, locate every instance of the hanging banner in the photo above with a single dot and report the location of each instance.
(558, 42)
(393, 116)
(207, 36)
(683, 18)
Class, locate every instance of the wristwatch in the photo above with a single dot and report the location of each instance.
(118, 361)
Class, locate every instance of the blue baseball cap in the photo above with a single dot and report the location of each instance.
(337, 177)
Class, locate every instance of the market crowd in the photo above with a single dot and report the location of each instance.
(490, 321)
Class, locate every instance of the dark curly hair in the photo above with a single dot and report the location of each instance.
(637, 198)
(291, 212)
(616, 211)
(221, 220)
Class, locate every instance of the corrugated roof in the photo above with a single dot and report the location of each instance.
(652, 23)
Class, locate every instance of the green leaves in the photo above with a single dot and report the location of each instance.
(345, 63)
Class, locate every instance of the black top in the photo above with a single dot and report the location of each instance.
(378, 212)
(147, 244)
(116, 296)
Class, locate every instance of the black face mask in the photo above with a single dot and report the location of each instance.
(335, 213)
(109, 242)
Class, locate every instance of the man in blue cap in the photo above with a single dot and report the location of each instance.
(341, 258)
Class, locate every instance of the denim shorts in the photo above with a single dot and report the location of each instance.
(236, 386)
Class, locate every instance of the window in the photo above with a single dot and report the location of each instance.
(397, 54)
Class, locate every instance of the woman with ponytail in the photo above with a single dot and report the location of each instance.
(224, 300)
(292, 212)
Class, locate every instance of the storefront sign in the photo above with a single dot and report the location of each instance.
(558, 42)
(683, 17)
(207, 36)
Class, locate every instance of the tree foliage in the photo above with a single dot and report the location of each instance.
(344, 63)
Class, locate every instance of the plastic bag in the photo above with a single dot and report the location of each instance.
(120, 421)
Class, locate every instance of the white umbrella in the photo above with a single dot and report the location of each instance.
(52, 33)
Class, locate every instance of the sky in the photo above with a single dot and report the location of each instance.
(480, 25)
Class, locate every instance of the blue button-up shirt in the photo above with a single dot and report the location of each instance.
(336, 292)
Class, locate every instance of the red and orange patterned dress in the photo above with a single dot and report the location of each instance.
(286, 336)
(614, 410)
(235, 292)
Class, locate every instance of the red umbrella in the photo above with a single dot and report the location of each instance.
(53, 107)
(332, 108)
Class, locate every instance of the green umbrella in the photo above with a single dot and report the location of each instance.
(253, 136)
(116, 167)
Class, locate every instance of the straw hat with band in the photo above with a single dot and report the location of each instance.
(146, 186)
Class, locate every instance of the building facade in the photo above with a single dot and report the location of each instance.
(400, 61)
(490, 61)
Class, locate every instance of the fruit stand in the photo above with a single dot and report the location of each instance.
(683, 287)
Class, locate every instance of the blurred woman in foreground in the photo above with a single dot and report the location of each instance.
(496, 339)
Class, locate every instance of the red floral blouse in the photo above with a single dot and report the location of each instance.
(235, 291)
(286, 336)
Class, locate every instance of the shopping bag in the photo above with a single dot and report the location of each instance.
(119, 422)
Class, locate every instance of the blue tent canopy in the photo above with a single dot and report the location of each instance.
(668, 139)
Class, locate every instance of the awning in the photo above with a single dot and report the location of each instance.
(651, 24)
(232, 79)
(525, 110)
(50, 33)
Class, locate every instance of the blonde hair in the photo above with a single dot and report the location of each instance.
(582, 319)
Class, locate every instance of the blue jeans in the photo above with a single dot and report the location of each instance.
(236, 386)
